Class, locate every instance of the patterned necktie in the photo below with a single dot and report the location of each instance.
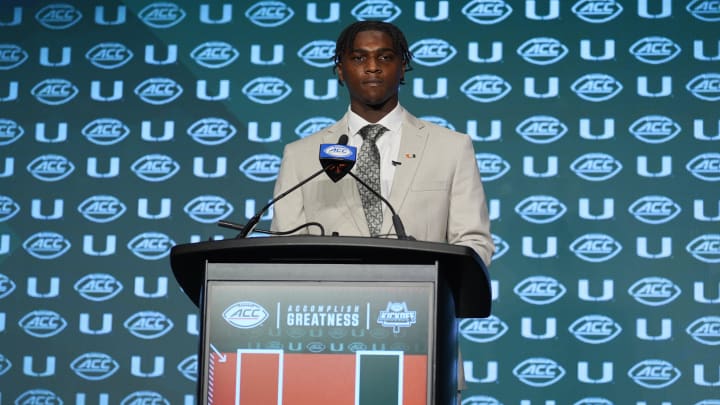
(368, 169)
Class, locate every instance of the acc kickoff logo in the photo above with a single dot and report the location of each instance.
(214, 54)
(211, 131)
(245, 315)
(11, 56)
(383, 10)
(58, 16)
(312, 125)
(596, 166)
(705, 248)
(542, 51)
(540, 209)
(541, 129)
(261, 167)
(485, 88)
(597, 11)
(654, 209)
(151, 245)
(654, 373)
(705, 330)
(208, 209)
(705, 166)
(98, 287)
(705, 86)
(42, 323)
(155, 167)
(10, 131)
(269, 13)
(396, 315)
(487, 12)
(109, 55)
(54, 91)
(318, 53)
(46, 245)
(596, 87)
(539, 290)
(105, 131)
(102, 209)
(539, 372)
(94, 366)
(162, 15)
(655, 50)
(595, 329)
(654, 129)
(148, 324)
(595, 247)
(267, 90)
(432, 52)
(491, 166)
(654, 291)
(483, 330)
(158, 90)
(8, 208)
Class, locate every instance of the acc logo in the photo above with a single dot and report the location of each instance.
(483, 330)
(593, 401)
(596, 166)
(539, 372)
(705, 10)
(145, 397)
(654, 129)
(595, 247)
(705, 166)
(485, 88)
(8, 208)
(109, 55)
(267, 90)
(318, 53)
(432, 52)
(54, 91)
(491, 166)
(161, 15)
(245, 315)
(654, 209)
(42, 323)
(50, 167)
(540, 209)
(705, 86)
(269, 13)
(597, 11)
(654, 291)
(595, 329)
(105, 131)
(58, 16)
(10, 131)
(148, 324)
(155, 167)
(705, 248)
(337, 151)
(539, 290)
(46, 245)
(101, 209)
(316, 347)
(542, 50)
(486, 11)
(655, 50)
(151, 245)
(596, 87)
(38, 396)
(7, 286)
(208, 209)
(312, 125)
(5, 364)
(261, 167)
(706, 330)
(94, 366)
(189, 367)
(480, 400)
(211, 131)
(158, 90)
(214, 54)
(11, 56)
(541, 129)
(501, 247)
(654, 373)
(383, 10)
(98, 287)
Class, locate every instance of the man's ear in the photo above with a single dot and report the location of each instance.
(338, 69)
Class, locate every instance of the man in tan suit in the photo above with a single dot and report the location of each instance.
(427, 172)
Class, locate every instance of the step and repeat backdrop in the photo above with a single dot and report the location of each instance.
(127, 127)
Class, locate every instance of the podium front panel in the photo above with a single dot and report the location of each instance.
(293, 339)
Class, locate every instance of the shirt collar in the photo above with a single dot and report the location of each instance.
(392, 121)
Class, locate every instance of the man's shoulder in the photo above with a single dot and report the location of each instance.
(439, 133)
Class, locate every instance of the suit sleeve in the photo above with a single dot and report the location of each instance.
(288, 212)
(468, 219)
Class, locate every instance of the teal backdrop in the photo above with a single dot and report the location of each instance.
(127, 127)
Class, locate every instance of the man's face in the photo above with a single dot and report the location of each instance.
(372, 70)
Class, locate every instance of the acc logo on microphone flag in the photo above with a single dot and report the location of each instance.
(330, 151)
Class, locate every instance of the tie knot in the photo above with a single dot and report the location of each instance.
(372, 132)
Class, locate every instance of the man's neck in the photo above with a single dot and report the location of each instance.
(371, 113)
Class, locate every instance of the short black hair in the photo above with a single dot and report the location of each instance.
(347, 37)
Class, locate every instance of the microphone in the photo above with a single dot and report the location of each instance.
(330, 167)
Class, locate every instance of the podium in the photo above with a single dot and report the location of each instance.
(298, 320)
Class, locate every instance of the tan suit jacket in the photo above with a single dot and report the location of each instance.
(436, 189)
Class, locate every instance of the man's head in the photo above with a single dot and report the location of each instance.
(371, 58)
